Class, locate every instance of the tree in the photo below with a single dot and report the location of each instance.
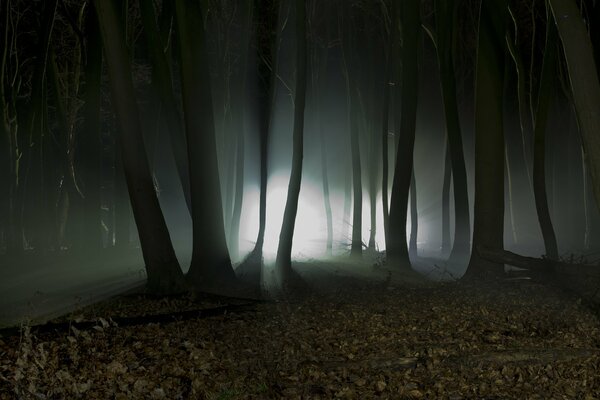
(446, 23)
(545, 93)
(585, 84)
(284, 250)
(91, 145)
(488, 219)
(210, 265)
(397, 250)
(163, 85)
(162, 267)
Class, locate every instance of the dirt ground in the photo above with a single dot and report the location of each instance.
(354, 336)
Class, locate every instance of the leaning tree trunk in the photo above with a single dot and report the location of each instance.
(585, 83)
(406, 117)
(546, 92)
(488, 220)
(284, 250)
(164, 274)
(446, 21)
(210, 263)
(163, 85)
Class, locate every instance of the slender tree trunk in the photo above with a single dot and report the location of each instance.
(488, 220)
(284, 250)
(266, 17)
(164, 274)
(446, 240)
(36, 185)
(234, 231)
(90, 143)
(585, 84)
(414, 217)
(210, 264)
(163, 85)
(406, 124)
(546, 91)
(385, 109)
(446, 21)
(5, 145)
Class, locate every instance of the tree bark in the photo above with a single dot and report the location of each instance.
(164, 274)
(385, 110)
(446, 21)
(414, 217)
(210, 263)
(5, 150)
(397, 249)
(163, 85)
(546, 91)
(489, 136)
(585, 84)
(446, 240)
(284, 250)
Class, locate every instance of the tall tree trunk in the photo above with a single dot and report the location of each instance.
(36, 185)
(163, 85)
(234, 231)
(406, 117)
(210, 263)
(90, 143)
(316, 79)
(546, 92)
(164, 274)
(488, 220)
(446, 240)
(385, 110)
(585, 84)
(414, 217)
(266, 22)
(284, 250)
(446, 21)
(5, 145)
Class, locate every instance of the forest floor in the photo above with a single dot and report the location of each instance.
(354, 335)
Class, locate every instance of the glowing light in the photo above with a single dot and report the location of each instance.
(309, 232)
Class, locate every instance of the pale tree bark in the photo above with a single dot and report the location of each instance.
(241, 105)
(397, 249)
(5, 152)
(162, 267)
(488, 220)
(585, 84)
(284, 250)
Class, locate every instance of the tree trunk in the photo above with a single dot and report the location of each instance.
(266, 20)
(489, 136)
(397, 249)
(414, 217)
(163, 85)
(446, 240)
(546, 91)
(164, 274)
(5, 145)
(234, 231)
(585, 83)
(446, 21)
(284, 250)
(210, 263)
(385, 110)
